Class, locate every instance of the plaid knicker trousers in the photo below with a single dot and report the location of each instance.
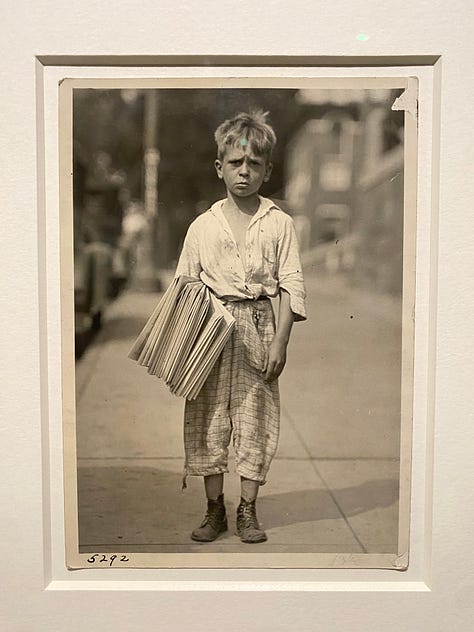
(236, 402)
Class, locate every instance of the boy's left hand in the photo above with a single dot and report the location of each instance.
(275, 360)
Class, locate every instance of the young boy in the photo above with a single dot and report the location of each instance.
(244, 249)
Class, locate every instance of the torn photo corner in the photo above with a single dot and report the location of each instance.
(408, 100)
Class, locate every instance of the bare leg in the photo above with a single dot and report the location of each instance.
(248, 488)
(214, 485)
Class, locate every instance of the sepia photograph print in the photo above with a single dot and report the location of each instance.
(238, 269)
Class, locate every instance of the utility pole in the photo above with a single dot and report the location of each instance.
(147, 278)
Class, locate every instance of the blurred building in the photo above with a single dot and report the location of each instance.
(344, 184)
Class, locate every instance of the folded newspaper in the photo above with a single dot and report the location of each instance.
(184, 336)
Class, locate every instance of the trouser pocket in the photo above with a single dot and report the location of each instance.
(263, 321)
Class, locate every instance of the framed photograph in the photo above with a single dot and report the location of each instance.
(108, 156)
(344, 169)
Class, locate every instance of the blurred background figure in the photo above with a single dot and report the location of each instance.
(134, 228)
(97, 235)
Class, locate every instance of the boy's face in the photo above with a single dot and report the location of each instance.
(242, 170)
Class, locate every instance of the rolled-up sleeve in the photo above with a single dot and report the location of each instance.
(290, 275)
(189, 263)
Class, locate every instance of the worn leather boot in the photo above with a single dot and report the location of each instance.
(215, 521)
(248, 528)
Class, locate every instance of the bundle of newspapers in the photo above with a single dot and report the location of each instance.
(184, 336)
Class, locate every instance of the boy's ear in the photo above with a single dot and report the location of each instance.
(268, 172)
(218, 166)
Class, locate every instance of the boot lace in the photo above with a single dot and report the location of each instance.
(248, 516)
(213, 516)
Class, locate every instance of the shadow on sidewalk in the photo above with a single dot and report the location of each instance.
(144, 505)
(310, 505)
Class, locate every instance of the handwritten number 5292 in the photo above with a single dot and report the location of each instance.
(93, 559)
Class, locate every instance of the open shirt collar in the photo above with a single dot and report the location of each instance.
(265, 205)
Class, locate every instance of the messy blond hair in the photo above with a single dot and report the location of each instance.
(246, 128)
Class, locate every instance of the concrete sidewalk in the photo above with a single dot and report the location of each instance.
(333, 486)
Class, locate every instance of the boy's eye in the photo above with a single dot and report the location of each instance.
(237, 163)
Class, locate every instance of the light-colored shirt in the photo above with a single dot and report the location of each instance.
(272, 260)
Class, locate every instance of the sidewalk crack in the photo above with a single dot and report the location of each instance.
(318, 473)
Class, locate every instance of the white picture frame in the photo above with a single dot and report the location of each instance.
(41, 593)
